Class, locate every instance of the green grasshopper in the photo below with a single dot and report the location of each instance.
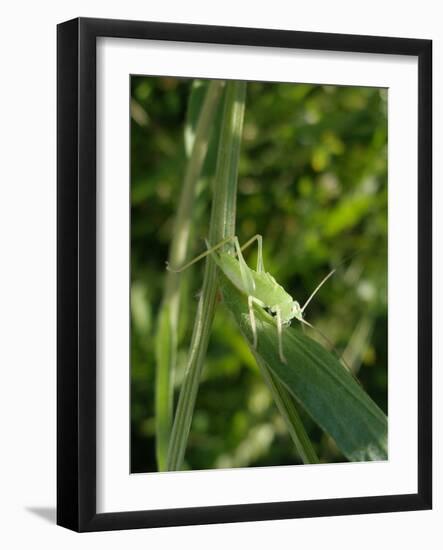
(260, 286)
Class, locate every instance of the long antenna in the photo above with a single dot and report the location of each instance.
(317, 289)
(334, 349)
(327, 277)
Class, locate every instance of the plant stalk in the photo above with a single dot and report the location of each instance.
(167, 329)
(222, 225)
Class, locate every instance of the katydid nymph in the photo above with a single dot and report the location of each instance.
(260, 287)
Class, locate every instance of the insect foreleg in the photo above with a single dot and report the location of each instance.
(251, 301)
(279, 334)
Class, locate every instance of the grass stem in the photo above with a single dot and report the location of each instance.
(167, 328)
(222, 224)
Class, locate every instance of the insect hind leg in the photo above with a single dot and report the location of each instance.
(210, 250)
(259, 239)
(247, 279)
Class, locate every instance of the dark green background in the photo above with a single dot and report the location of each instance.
(313, 182)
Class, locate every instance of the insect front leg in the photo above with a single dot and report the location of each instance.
(278, 320)
(251, 301)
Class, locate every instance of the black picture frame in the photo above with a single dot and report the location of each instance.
(76, 273)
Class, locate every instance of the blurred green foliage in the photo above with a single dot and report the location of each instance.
(313, 182)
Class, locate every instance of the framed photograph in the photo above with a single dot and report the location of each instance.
(244, 274)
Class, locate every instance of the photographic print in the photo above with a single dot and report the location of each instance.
(228, 346)
(258, 274)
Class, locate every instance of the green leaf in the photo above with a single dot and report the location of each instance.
(317, 380)
(285, 404)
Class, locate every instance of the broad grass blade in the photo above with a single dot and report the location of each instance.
(317, 380)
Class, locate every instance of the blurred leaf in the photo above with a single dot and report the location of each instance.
(140, 308)
(197, 96)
